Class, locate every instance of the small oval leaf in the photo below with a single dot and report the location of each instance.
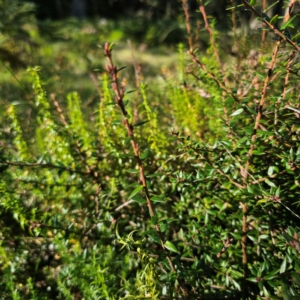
(136, 191)
(237, 112)
(270, 183)
(283, 266)
(154, 220)
(145, 154)
(170, 246)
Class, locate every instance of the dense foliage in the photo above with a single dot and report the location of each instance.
(147, 183)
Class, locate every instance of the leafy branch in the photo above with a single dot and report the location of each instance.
(119, 90)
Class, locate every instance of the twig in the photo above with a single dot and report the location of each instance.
(44, 165)
(217, 56)
(244, 171)
(272, 27)
(212, 76)
(120, 92)
(187, 22)
(123, 205)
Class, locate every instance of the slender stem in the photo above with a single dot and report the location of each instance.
(264, 32)
(187, 22)
(217, 56)
(43, 165)
(120, 92)
(272, 27)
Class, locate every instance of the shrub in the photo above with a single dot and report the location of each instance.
(183, 190)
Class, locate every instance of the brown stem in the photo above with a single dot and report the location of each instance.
(120, 92)
(233, 19)
(272, 27)
(212, 38)
(244, 171)
(187, 22)
(264, 32)
(217, 56)
(212, 76)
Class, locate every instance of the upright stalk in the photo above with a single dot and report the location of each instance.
(119, 90)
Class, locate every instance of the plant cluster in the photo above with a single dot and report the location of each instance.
(184, 188)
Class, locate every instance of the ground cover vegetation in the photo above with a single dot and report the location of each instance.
(172, 179)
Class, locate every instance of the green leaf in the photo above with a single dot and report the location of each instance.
(133, 171)
(274, 20)
(111, 46)
(283, 266)
(154, 220)
(155, 175)
(295, 37)
(270, 170)
(117, 231)
(139, 199)
(154, 237)
(121, 69)
(158, 198)
(116, 122)
(127, 140)
(288, 23)
(252, 238)
(236, 285)
(264, 200)
(131, 91)
(264, 236)
(136, 191)
(296, 278)
(270, 183)
(163, 226)
(271, 275)
(277, 193)
(145, 154)
(237, 112)
(265, 16)
(206, 218)
(249, 189)
(287, 237)
(137, 124)
(236, 235)
(294, 186)
(252, 279)
(170, 246)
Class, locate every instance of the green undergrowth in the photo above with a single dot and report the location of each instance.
(172, 179)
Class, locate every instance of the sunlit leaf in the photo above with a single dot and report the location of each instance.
(170, 246)
(270, 183)
(237, 112)
(283, 266)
